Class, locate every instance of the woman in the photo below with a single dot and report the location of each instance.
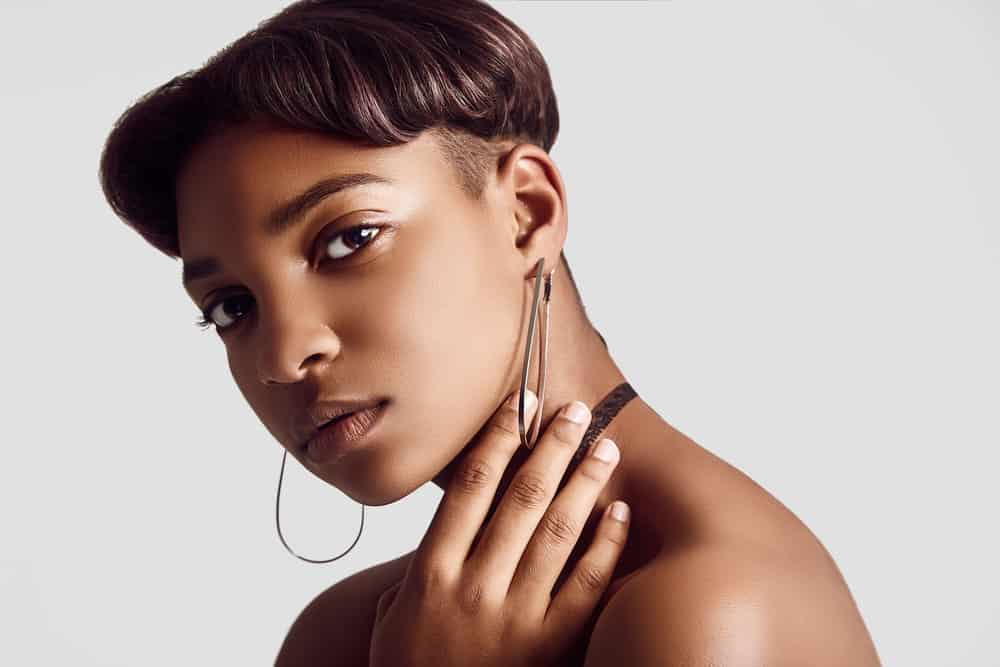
(363, 199)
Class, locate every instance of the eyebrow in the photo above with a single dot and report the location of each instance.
(286, 215)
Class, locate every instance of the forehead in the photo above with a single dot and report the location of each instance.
(237, 176)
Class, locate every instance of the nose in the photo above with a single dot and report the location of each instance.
(293, 345)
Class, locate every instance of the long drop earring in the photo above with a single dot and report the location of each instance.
(528, 440)
(601, 414)
(277, 519)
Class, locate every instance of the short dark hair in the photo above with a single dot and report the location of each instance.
(376, 71)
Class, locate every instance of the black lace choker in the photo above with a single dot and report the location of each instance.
(601, 416)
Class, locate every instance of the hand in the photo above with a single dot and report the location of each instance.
(487, 601)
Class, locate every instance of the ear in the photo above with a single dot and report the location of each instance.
(533, 187)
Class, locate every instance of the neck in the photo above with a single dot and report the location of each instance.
(580, 367)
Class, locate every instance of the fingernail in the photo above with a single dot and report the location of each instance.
(578, 412)
(619, 511)
(530, 400)
(606, 450)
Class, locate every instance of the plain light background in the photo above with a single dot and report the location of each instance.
(783, 218)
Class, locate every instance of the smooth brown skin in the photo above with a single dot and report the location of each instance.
(432, 315)
(484, 598)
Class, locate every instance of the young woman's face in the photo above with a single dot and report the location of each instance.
(424, 309)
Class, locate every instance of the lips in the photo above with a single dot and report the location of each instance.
(344, 434)
(337, 419)
(323, 413)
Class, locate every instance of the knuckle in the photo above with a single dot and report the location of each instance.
(590, 577)
(470, 598)
(558, 527)
(529, 569)
(565, 431)
(594, 470)
(473, 475)
(505, 424)
(426, 577)
(616, 537)
(427, 580)
(528, 490)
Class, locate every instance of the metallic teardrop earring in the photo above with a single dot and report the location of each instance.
(277, 519)
(601, 414)
(529, 439)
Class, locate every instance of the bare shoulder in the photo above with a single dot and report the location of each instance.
(734, 604)
(337, 624)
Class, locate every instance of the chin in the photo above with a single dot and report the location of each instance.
(385, 471)
(394, 463)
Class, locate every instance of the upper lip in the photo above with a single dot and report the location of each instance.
(321, 412)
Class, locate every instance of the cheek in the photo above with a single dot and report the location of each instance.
(452, 316)
(449, 301)
(445, 338)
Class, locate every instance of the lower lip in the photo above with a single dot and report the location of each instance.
(343, 435)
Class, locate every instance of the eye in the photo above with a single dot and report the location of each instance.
(221, 315)
(357, 237)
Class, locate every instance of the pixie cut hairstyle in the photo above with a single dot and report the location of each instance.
(376, 71)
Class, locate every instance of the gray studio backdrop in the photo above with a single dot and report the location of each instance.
(783, 218)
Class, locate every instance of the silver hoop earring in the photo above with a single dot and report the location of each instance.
(277, 519)
(528, 440)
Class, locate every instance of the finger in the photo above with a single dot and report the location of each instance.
(560, 528)
(578, 597)
(471, 489)
(526, 499)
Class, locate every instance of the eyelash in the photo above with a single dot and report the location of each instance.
(205, 321)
